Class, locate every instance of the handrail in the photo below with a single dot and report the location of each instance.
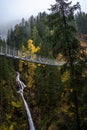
(29, 57)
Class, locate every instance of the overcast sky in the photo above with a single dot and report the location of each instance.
(16, 9)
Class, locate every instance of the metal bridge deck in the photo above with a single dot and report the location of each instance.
(14, 53)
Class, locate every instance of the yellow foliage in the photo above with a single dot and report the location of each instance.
(31, 73)
(30, 66)
(24, 55)
(71, 90)
(19, 54)
(11, 127)
(31, 47)
(39, 64)
(24, 51)
(23, 48)
(8, 116)
(20, 66)
(16, 104)
(3, 127)
(65, 77)
(65, 108)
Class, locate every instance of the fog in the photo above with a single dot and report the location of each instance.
(12, 11)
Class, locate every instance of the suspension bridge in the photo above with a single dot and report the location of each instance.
(29, 57)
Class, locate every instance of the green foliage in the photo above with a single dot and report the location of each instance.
(36, 29)
(81, 18)
(48, 93)
(64, 32)
(50, 90)
(64, 41)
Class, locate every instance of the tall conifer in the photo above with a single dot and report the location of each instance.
(63, 36)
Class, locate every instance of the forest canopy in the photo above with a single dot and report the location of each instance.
(56, 96)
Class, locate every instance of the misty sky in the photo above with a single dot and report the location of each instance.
(16, 9)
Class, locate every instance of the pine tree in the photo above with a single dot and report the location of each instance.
(81, 18)
(63, 36)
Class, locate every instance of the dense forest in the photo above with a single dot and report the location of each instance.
(57, 96)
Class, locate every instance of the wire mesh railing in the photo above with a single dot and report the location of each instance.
(27, 56)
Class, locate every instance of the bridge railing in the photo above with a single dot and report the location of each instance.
(19, 54)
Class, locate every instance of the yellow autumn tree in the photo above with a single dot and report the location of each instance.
(31, 49)
(31, 66)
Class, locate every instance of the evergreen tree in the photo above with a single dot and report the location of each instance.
(31, 26)
(48, 94)
(81, 18)
(63, 36)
